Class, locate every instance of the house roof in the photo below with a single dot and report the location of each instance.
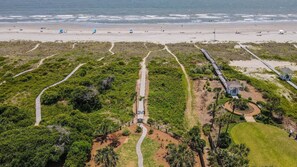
(286, 70)
(234, 84)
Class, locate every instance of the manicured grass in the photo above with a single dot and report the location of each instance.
(270, 146)
(128, 156)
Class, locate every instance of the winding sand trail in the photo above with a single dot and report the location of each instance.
(110, 50)
(39, 64)
(37, 45)
(73, 46)
(37, 101)
(189, 95)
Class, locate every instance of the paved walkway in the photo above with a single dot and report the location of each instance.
(39, 64)
(295, 46)
(110, 50)
(37, 101)
(249, 119)
(34, 48)
(138, 146)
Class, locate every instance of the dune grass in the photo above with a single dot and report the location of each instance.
(270, 146)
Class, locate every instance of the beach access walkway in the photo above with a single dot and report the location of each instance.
(37, 101)
(39, 64)
(266, 64)
(110, 50)
(36, 46)
(140, 108)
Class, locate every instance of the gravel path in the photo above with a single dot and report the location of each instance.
(34, 48)
(110, 50)
(39, 64)
(37, 101)
(138, 145)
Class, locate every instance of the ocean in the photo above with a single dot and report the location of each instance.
(147, 11)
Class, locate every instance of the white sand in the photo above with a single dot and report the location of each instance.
(174, 33)
(255, 65)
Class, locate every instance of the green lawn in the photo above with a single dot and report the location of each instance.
(128, 156)
(270, 146)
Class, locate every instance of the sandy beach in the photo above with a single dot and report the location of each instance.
(158, 33)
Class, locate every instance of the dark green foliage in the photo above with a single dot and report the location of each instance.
(194, 140)
(235, 156)
(29, 147)
(206, 129)
(77, 156)
(126, 132)
(85, 100)
(138, 129)
(224, 140)
(151, 131)
(13, 117)
(179, 155)
(107, 157)
(50, 97)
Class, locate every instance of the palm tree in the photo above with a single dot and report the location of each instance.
(180, 156)
(196, 143)
(215, 108)
(234, 103)
(106, 157)
(102, 132)
(220, 121)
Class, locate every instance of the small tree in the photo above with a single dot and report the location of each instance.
(138, 129)
(106, 157)
(180, 155)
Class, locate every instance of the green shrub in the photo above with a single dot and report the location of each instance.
(126, 132)
(206, 129)
(138, 129)
(224, 140)
(151, 131)
(78, 154)
(50, 97)
(85, 100)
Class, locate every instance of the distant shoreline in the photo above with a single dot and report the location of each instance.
(158, 33)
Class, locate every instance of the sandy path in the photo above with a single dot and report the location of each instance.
(295, 46)
(3, 82)
(37, 101)
(138, 146)
(34, 48)
(110, 50)
(39, 64)
(73, 46)
(189, 98)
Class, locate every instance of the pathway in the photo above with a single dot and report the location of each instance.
(37, 101)
(189, 100)
(138, 145)
(140, 108)
(269, 66)
(110, 50)
(34, 48)
(295, 46)
(73, 46)
(39, 64)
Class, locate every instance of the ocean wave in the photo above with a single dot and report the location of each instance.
(170, 18)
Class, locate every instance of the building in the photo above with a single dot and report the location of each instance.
(233, 88)
(286, 74)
